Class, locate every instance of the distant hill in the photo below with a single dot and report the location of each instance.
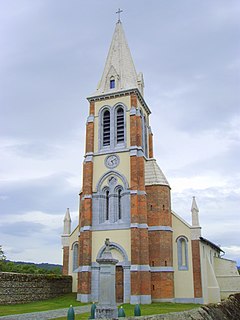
(46, 266)
(31, 267)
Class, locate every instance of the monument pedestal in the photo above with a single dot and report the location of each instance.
(107, 307)
(106, 312)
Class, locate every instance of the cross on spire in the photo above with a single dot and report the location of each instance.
(119, 12)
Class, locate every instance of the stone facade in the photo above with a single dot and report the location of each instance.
(23, 288)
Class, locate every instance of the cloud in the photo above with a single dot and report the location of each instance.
(52, 56)
(21, 228)
(232, 252)
(42, 194)
(34, 235)
(218, 214)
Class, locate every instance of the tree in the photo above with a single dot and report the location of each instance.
(2, 255)
(2, 258)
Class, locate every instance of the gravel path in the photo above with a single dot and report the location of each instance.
(51, 314)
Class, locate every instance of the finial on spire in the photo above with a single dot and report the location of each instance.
(194, 205)
(119, 13)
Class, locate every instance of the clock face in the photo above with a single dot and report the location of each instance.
(112, 161)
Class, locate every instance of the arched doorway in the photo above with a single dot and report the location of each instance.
(122, 284)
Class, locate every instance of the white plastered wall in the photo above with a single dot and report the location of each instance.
(210, 287)
(183, 279)
(121, 237)
(227, 276)
(100, 168)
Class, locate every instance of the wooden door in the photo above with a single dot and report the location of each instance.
(119, 284)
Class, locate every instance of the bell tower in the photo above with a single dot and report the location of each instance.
(125, 196)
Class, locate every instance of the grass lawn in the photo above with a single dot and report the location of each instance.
(147, 309)
(55, 303)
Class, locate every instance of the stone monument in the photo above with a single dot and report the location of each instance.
(107, 307)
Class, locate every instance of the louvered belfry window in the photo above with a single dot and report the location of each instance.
(106, 128)
(120, 125)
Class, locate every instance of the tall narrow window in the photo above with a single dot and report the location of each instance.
(120, 125)
(119, 204)
(182, 250)
(75, 256)
(107, 205)
(183, 247)
(112, 83)
(106, 128)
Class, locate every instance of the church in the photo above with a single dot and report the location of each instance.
(126, 198)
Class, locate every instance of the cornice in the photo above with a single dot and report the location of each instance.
(111, 95)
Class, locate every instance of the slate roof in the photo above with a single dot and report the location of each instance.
(119, 64)
(153, 174)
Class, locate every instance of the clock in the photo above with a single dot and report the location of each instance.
(112, 161)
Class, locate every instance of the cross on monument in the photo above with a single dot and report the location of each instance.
(119, 12)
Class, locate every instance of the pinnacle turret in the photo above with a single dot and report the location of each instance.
(196, 229)
(195, 211)
(67, 223)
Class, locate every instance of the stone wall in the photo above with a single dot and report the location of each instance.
(22, 288)
(226, 310)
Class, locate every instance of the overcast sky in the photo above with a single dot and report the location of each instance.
(52, 55)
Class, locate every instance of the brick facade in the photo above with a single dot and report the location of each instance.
(65, 261)
(140, 280)
(196, 261)
(150, 145)
(160, 241)
(162, 285)
(85, 213)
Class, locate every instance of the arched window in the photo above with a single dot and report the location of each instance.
(75, 256)
(112, 83)
(107, 205)
(120, 125)
(112, 133)
(106, 128)
(119, 202)
(182, 250)
(111, 202)
(104, 212)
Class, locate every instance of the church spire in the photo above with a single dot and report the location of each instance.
(119, 72)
